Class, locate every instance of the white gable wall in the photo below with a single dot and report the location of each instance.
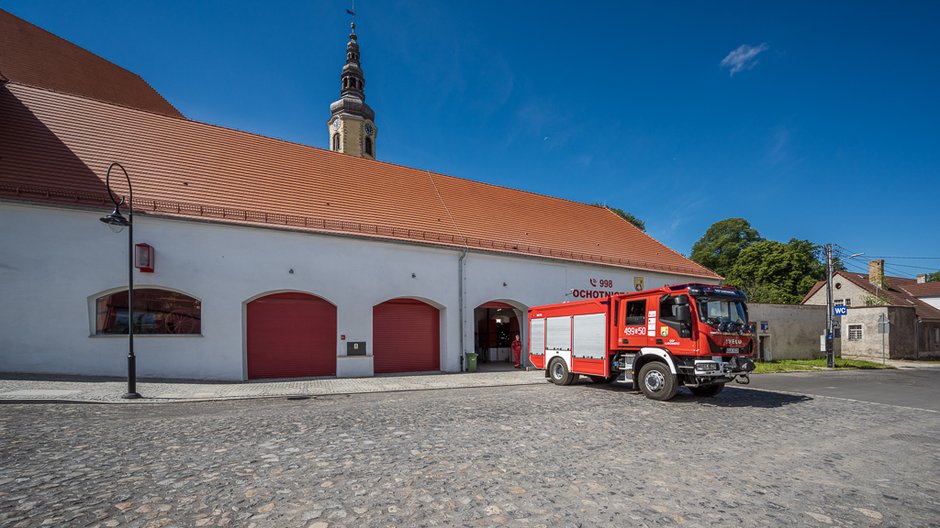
(55, 262)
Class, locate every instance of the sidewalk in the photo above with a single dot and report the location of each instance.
(15, 387)
(899, 363)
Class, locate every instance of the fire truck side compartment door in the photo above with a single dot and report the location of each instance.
(589, 332)
(558, 339)
(537, 336)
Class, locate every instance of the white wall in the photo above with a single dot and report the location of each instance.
(56, 262)
(793, 329)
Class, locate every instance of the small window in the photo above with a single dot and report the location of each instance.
(936, 335)
(636, 313)
(336, 142)
(369, 146)
(855, 332)
(839, 302)
(155, 312)
(848, 302)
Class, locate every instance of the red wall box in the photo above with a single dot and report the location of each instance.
(144, 258)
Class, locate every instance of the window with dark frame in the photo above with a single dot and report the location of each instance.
(156, 311)
(636, 313)
(855, 332)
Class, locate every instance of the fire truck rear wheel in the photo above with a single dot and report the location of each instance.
(558, 372)
(656, 382)
(707, 391)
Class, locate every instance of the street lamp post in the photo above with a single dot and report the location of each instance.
(830, 353)
(830, 356)
(117, 223)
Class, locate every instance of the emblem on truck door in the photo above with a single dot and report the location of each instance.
(664, 331)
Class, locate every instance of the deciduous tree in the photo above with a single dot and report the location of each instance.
(774, 272)
(625, 215)
(720, 246)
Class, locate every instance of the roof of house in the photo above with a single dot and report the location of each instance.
(33, 56)
(56, 147)
(925, 289)
(896, 293)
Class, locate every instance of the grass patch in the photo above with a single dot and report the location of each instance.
(791, 365)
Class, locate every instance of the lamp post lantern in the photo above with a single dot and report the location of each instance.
(117, 223)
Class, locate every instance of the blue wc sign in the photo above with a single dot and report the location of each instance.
(840, 310)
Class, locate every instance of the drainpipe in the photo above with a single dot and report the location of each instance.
(462, 281)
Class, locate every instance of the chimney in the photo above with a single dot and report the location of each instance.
(876, 273)
(922, 278)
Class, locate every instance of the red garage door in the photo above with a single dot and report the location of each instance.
(291, 335)
(407, 336)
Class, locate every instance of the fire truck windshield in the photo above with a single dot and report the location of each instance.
(715, 312)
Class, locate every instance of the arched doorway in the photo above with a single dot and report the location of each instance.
(291, 335)
(496, 323)
(407, 336)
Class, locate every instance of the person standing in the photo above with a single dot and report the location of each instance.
(516, 351)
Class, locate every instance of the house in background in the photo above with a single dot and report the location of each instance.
(910, 306)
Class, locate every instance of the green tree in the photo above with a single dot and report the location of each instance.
(640, 224)
(720, 246)
(933, 277)
(774, 272)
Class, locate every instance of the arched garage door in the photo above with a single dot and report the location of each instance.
(291, 335)
(407, 336)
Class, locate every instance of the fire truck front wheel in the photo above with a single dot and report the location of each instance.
(656, 382)
(559, 374)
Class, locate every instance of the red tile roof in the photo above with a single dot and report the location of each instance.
(927, 289)
(56, 147)
(896, 293)
(31, 55)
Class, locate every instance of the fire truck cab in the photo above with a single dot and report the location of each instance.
(659, 339)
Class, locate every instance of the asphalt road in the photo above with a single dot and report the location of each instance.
(915, 388)
(537, 455)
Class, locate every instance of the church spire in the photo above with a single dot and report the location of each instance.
(352, 121)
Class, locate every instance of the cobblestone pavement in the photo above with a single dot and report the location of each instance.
(534, 455)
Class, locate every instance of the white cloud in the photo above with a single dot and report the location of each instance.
(742, 58)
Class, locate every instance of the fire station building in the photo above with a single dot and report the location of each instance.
(261, 258)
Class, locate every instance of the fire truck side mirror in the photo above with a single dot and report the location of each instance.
(682, 313)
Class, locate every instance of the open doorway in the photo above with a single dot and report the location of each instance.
(496, 325)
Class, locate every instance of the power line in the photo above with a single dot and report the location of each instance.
(916, 267)
(904, 258)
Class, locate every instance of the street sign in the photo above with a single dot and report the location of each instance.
(883, 324)
(764, 326)
(840, 310)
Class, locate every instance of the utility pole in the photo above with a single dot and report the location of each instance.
(830, 356)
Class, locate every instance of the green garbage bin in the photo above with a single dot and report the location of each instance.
(471, 362)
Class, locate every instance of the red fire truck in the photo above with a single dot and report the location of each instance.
(688, 334)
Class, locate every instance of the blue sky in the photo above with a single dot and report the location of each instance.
(815, 120)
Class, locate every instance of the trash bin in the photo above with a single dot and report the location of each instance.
(471, 362)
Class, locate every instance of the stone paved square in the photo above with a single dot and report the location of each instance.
(536, 455)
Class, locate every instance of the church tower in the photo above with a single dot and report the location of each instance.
(352, 122)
